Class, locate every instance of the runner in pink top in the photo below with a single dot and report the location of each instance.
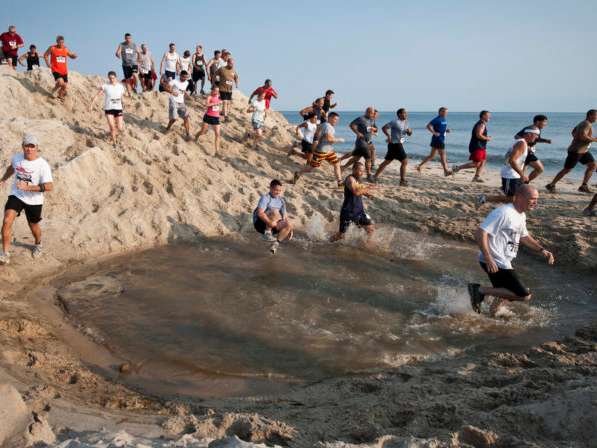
(212, 117)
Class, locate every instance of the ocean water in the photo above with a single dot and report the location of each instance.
(502, 127)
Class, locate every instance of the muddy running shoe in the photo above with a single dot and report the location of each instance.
(478, 179)
(268, 236)
(4, 258)
(296, 177)
(370, 179)
(37, 251)
(551, 188)
(476, 296)
(480, 200)
(588, 212)
(455, 169)
(584, 188)
(274, 248)
(403, 183)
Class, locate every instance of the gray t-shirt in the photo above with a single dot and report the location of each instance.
(363, 125)
(267, 203)
(397, 130)
(326, 130)
(128, 53)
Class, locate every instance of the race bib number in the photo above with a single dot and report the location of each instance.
(60, 59)
(115, 101)
(228, 82)
(216, 108)
(13, 44)
(402, 139)
(128, 51)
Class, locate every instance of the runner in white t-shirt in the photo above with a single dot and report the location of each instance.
(113, 92)
(33, 177)
(178, 89)
(307, 132)
(257, 119)
(498, 237)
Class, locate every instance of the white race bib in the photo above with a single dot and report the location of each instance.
(402, 139)
(60, 59)
(228, 82)
(128, 51)
(216, 108)
(13, 44)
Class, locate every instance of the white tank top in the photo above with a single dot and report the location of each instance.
(185, 64)
(507, 171)
(309, 132)
(171, 60)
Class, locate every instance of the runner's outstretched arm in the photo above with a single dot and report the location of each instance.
(532, 243)
(46, 56)
(483, 242)
(9, 172)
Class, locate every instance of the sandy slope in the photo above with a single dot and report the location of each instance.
(157, 188)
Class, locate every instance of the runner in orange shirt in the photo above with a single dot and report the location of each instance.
(56, 57)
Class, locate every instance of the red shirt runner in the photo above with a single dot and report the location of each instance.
(58, 58)
(268, 94)
(10, 43)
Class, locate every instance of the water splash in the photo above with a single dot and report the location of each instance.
(450, 301)
(315, 228)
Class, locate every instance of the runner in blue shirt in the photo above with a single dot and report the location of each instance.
(438, 128)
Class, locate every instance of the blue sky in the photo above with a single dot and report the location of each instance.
(468, 55)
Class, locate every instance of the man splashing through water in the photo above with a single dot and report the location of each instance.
(270, 217)
(498, 238)
(353, 210)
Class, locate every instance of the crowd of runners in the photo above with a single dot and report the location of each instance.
(184, 77)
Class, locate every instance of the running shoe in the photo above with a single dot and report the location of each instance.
(455, 169)
(480, 200)
(476, 296)
(340, 184)
(588, 212)
(403, 183)
(37, 251)
(274, 248)
(290, 236)
(370, 179)
(478, 179)
(551, 188)
(268, 236)
(584, 188)
(4, 258)
(295, 178)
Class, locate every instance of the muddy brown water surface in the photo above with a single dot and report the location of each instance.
(225, 318)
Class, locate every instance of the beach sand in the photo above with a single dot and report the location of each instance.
(155, 189)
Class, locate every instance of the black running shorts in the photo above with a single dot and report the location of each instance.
(506, 278)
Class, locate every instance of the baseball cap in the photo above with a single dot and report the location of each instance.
(29, 139)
